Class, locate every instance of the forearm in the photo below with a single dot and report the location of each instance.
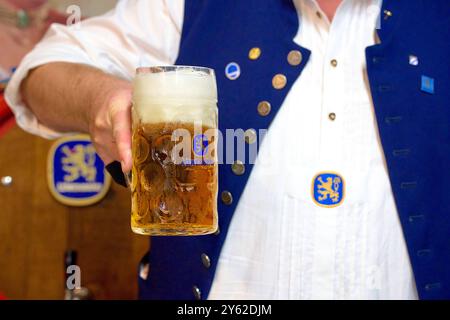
(65, 96)
(72, 97)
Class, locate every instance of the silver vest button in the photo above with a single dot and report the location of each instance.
(279, 81)
(254, 53)
(238, 168)
(294, 57)
(227, 197)
(197, 293)
(387, 14)
(264, 108)
(206, 261)
(250, 136)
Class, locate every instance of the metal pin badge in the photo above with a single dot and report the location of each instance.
(232, 71)
(413, 60)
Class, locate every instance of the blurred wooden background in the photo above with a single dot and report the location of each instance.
(35, 231)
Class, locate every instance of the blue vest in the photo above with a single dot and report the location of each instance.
(411, 105)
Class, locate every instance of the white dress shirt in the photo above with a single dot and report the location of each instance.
(280, 244)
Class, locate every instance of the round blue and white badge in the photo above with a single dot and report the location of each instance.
(232, 71)
(76, 175)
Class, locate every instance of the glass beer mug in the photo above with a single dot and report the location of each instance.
(174, 151)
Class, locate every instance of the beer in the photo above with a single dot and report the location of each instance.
(170, 197)
(174, 189)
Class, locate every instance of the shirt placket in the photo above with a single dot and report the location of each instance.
(330, 161)
(332, 108)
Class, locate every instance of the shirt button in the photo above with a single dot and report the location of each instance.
(250, 136)
(334, 63)
(319, 15)
(294, 57)
(206, 261)
(332, 116)
(238, 168)
(227, 197)
(197, 293)
(279, 81)
(264, 108)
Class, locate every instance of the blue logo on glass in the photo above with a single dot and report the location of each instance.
(200, 145)
(328, 189)
(232, 71)
(427, 84)
(76, 173)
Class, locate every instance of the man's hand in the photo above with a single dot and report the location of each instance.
(71, 97)
(110, 126)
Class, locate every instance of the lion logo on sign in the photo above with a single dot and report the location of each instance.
(79, 161)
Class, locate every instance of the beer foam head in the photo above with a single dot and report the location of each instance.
(175, 94)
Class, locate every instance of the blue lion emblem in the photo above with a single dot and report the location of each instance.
(328, 189)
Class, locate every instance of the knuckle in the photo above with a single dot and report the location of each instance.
(99, 124)
(118, 105)
(97, 140)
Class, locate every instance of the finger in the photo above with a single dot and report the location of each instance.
(104, 154)
(121, 126)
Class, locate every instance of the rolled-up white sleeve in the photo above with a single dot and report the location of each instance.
(136, 33)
